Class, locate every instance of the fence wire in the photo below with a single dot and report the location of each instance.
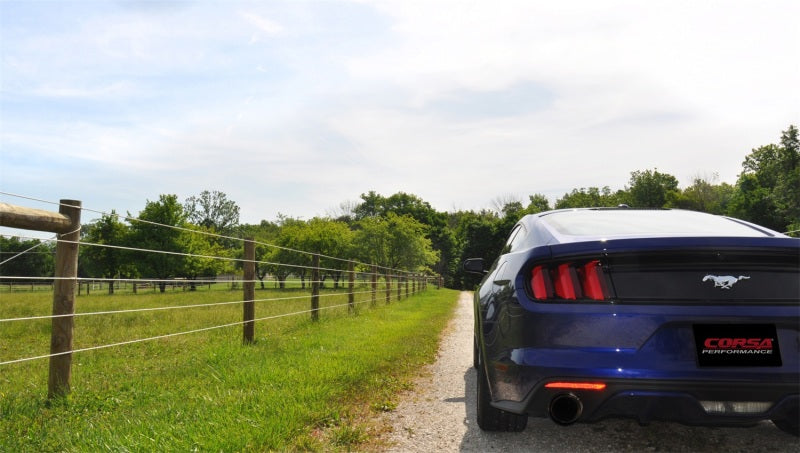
(179, 228)
(171, 335)
(392, 279)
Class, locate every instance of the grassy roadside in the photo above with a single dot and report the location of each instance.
(300, 386)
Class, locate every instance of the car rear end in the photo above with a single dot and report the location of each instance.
(700, 330)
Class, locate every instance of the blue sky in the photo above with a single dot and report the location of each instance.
(296, 107)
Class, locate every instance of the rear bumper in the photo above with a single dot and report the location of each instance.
(665, 400)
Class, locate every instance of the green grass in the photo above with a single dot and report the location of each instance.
(302, 385)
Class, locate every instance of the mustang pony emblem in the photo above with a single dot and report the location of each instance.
(724, 281)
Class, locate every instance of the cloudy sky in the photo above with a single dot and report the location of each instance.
(295, 107)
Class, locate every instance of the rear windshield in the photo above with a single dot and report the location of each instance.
(632, 222)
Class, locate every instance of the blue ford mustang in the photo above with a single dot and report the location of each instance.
(648, 314)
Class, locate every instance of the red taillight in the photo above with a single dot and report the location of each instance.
(540, 283)
(569, 281)
(594, 283)
(576, 385)
(566, 282)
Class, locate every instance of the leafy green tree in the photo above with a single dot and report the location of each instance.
(290, 256)
(538, 203)
(264, 234)
(787, 186)
(372, 205)
(153, 232)
(334, 240)
(395, 242)
(768, 189)
(31, 258)
(213, 211)
(299, 240)
(481, 235)
(705, 196)
(444, 240)
(438, 231)
(330, 238)
(401, 203)
(105, 260)
(652, 189)
(590, 197)
(513, 211)
(755, 203)
(205, 255)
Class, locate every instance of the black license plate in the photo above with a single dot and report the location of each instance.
(737, 345)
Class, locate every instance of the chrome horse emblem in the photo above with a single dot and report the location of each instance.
(724, 281)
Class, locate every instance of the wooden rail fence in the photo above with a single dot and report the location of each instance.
(67, 224)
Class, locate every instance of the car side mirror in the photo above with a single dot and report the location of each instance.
(474, 266)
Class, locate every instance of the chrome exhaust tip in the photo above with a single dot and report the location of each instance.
(565, 409)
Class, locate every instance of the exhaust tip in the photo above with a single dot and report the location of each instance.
(565, 409)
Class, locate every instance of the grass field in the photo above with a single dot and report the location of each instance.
(300, 386)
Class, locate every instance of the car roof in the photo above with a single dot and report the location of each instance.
(586, 224)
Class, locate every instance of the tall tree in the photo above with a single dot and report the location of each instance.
(705, 195)
(105, 260)
(768, 189)
(373, 205)
(394, 242)
(787, 187)
(212, 210)
(153, 232)
(291, 255)
(538, 203)
(652, 189)
(481, 235)
(591, 197)
(265, 233)
(438, 231)
(31, 258)
(203, 255)
(330, 238)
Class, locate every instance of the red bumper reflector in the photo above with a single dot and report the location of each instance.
(576, 385)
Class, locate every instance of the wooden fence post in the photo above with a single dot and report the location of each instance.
(399, 287)
(315, 287)
(66, 273)
(407, 278)
(374, 284)
(351, 286)
(388, 279)
(414, 284)
(249, 308)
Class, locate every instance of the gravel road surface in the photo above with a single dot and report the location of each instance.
(439, 415)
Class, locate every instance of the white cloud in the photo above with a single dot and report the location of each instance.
(673, 84)
(263, 24)
(297, 107)
(113, 90)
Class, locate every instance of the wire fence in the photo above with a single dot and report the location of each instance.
(164, 308)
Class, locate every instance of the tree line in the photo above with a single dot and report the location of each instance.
(399, 231)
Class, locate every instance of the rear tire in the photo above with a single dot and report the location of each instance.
(476, 357)
(490, 418)
(788, 426)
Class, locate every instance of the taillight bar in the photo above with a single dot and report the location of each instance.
(576, 385)
(570, 281)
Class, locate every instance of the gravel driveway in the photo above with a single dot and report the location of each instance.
(439, 415)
